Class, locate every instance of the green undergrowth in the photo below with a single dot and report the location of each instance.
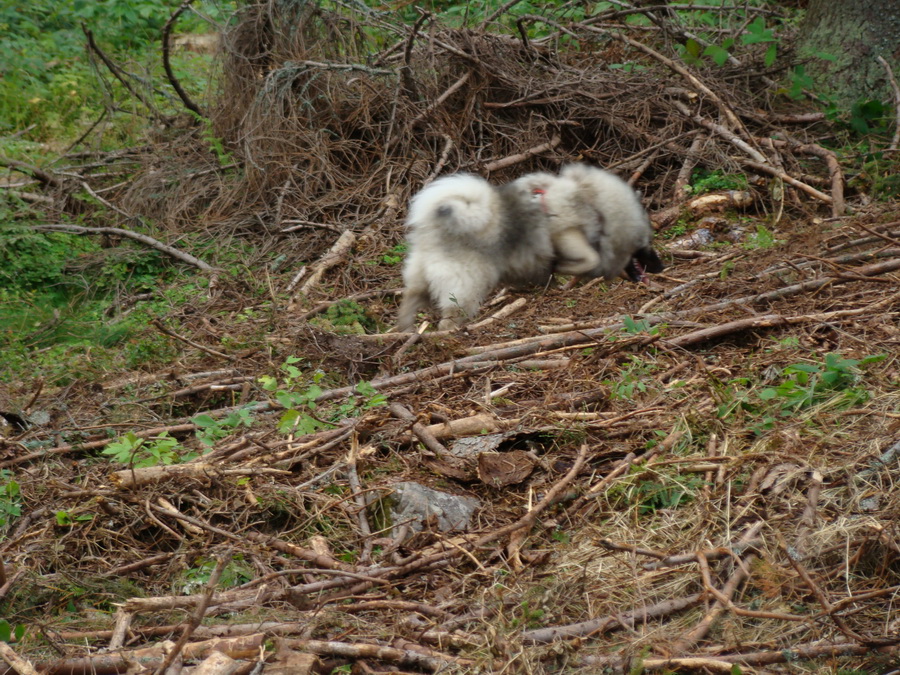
(805, 394)
(295, 390)
(70, 308)
(49, 84)
(816, 385)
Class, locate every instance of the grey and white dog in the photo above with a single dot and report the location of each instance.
(597, 224)
(465, 236)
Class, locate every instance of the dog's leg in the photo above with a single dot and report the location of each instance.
(574, 252)
(413, 301)
(415, 297)
(459, 307)
(460, 290)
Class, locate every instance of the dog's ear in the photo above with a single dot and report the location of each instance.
(650, 260)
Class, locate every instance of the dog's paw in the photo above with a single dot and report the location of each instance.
(448, 324)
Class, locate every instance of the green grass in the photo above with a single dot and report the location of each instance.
(704, 181)
(50, 86)
(61, 315)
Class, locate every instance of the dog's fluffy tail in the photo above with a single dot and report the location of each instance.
(460, 205)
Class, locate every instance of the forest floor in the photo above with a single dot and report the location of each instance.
(694, 474)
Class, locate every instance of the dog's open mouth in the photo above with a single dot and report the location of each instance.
(635, 271)
(644, 260)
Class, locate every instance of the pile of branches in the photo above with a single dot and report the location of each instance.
(317, 129)
(340, 135)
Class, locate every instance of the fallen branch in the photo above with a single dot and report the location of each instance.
(723, 597)
(16, 662)
(456, 86)
(137, 236)
(879, 235)
(875, 269)
(794, 654)
(131, 478)
(120, 76)
(607, 624)
(698, 206)
(800, 185)
(44, 177)
(430, 661)
(156, 323)
(896, 89)
(838, 208)
(680, 190)
(709, 554)
(243, 647)
(216, 663)
(167, 65)
(770, 321)
(421, 432)
(757, 160)
(197, 615)
(498, 164)
(339, 250)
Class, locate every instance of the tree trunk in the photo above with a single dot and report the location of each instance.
(853, 32)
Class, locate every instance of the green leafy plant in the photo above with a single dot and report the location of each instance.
(880, 177)
(8, 631)
(562, 536)
(703, 181)
(211, 429)
(143, 452)
(10, 498)
(719, 53)
(757, 32)
(869, 116)
(215, 143)
(395, 256)
(298, 405)
(834, 380)
(369, 398)
(637, 326)
(529, 617)
(799, 81)
(632, 379)
(297, 395)
(236, 572)
(675, 231)
(666, 492)
(347, 316)
(761, 239)
(66, 519)
(807, 384)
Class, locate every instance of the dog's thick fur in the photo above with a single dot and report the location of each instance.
(465, 236)
(597, 224)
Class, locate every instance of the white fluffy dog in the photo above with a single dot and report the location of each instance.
(465, 236)
(597, 223)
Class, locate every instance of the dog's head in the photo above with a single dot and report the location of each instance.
(532, 188)
(644, 260)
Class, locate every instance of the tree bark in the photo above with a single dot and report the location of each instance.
(853, 33)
